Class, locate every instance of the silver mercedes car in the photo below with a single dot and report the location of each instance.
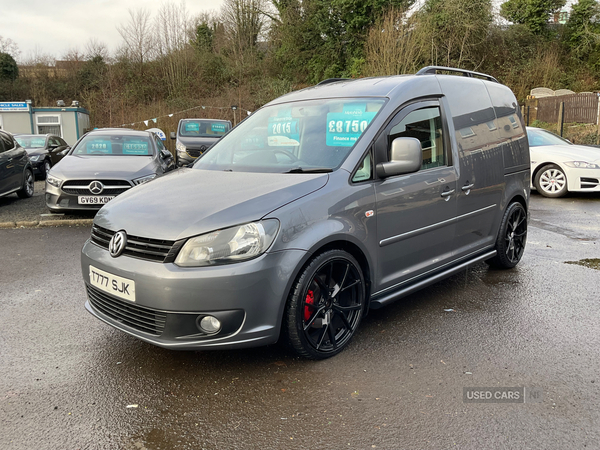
(103, 164)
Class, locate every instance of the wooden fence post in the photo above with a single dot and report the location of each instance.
(561, 118)
(598, 123)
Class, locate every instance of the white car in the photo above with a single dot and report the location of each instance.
(558, 166)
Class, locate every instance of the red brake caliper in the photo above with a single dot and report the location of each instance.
(310, 300)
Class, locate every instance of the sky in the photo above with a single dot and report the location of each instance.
(54, 27)
(42, 27)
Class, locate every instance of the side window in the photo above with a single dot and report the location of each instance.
(53, 141)
(425, 125)
(6, 142)
(364, 171)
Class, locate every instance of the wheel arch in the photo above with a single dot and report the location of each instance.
(338, 242)
(540, 166)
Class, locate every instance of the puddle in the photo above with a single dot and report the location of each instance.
(593, 263)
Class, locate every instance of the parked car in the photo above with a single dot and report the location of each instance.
(16, 172)
(324, 203)
(103, 164)
(44, 151)
(558, 166)
(195, 136)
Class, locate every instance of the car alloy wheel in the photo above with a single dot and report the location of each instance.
(326, 305)
(510, 243)
(27, 189)
(46, 169)
(551, 181)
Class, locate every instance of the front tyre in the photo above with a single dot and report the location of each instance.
(45, 169)
(325, 306)
(27, 189)
(510, 243)
(551, 181)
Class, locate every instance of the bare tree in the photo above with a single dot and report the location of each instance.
(139, 43)
(94, 48)
(173, 46)
(9, 46)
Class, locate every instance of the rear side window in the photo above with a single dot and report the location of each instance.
(425, 125)
(6, 142)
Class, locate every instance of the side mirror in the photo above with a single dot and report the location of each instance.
(65, 151)
(165, 154)
(406, 157)
(173, 135)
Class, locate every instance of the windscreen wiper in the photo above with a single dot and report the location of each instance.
(310, 170)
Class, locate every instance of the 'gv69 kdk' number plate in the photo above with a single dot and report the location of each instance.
(112, 284)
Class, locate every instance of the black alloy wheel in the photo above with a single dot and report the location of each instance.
(510, 243)
(27, 189)
(326, 305)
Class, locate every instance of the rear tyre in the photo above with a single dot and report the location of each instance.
(325, 306)
(510, 243)
(551, 181)
(27, 189)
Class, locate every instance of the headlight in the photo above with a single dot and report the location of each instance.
(582, 165)
(53, 181)
(180, 147)
(145, 179)
(228, 245)
(34, 157)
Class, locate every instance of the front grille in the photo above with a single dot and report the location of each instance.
(139, 317)
(81, 187)
(589, 183)
(195, 152)
(158, 250)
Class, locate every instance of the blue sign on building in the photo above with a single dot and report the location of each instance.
(13, 106)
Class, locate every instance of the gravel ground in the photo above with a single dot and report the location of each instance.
(15, 209)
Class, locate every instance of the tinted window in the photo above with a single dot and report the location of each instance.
(7, 141)
(426, 126)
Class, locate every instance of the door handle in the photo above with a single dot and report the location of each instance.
(468, 187)
(447, 194)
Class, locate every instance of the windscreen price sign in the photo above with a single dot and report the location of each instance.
(13, 106)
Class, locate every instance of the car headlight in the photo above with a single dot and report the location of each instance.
(229, 245)
(34, 157)
(582, 165)
(145, 179)
(180, 147)
(53, 181)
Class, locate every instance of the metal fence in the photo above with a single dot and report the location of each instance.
(579, 108)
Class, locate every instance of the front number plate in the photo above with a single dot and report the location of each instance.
(94, 200)
(112, 284)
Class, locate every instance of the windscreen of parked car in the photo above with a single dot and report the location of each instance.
(202, 128)
(114, 145)
(312, 134)
(541, 137)
(30, 142)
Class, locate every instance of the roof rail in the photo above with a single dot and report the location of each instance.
(332, 80)
(432, 70)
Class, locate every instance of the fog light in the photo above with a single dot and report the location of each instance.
(210, 324)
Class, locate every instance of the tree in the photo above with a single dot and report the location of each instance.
(534, 14)
(8, 67)
(9, 46)
(583, 31)
(138, 36)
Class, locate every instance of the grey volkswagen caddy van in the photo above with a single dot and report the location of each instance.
(324, 203)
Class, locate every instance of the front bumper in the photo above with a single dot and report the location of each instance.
(183, 159)
(58, 200)
(248, 296)
(583, 180)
